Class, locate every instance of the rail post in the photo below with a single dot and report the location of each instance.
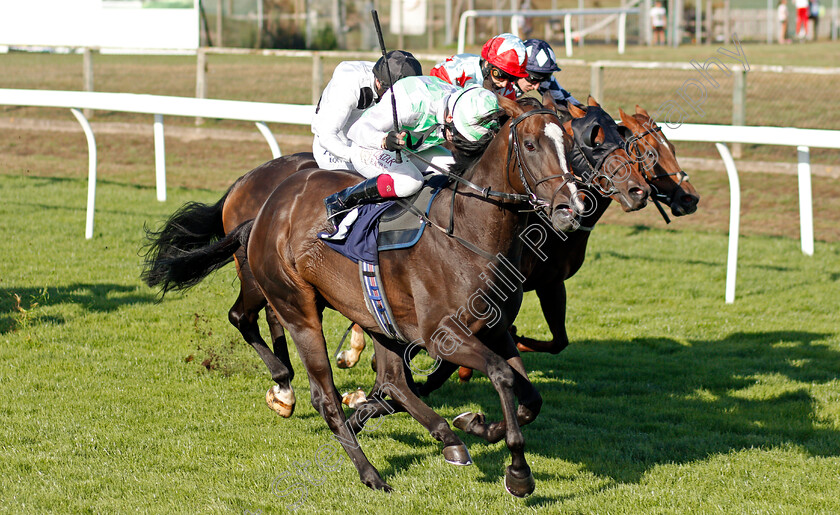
(200, 78)
(317, 77)
(806, 210)
(596, 82)
(739, 105)
(87, 72)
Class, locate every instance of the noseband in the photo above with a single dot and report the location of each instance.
(515, 149)
(649, 174)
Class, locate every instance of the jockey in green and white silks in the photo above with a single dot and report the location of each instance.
(355, 86)
(430, 112)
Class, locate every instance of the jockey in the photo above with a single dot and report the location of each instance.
(541, 67)
(354, 87)
(430, 112)
(500, 65)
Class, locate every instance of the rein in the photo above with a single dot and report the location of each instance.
(657, 195)
(529, 198)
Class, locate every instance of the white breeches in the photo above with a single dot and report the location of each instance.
(408, 175)
(327, 160)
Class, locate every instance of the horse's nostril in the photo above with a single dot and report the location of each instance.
(637, 193)
(689, 200)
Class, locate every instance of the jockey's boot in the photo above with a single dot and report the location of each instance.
(338, 204)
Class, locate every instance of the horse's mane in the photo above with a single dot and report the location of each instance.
(467, 152)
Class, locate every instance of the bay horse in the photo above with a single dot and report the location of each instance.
(196, 225)
(523, 167)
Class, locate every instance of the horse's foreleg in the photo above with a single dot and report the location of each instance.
(530, 400)
(472, 353)
(348, 358)
(553, 303)
(393, 378)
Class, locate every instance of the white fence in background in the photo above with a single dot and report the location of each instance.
(567, 22)
(260, 113)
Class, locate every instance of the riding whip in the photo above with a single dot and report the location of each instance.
(375, 16)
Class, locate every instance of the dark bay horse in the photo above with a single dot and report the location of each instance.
(436, 288)
(195, 225)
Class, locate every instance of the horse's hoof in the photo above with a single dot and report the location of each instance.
(354, 399)
(281, 401)
(466, 422)
(519, 487)
(341, 360)
(457, 455)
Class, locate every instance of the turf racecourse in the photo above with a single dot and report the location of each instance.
(668, 401)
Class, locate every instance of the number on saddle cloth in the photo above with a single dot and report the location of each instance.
(388, 225)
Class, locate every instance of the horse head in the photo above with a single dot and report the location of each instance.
(647, 145)
(536, 162)
(600, 159)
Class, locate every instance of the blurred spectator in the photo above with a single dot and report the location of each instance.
(658, 20)
(801, 18)
(782, 15)
(815, 15)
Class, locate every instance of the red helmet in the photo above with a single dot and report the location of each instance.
(507, 53)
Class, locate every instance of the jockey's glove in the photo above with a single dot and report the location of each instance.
(394, 141)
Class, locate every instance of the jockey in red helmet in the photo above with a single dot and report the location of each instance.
(500, 65)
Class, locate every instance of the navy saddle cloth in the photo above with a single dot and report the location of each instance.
(389, 225)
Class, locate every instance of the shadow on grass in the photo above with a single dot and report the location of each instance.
(620, 408)
(100, 298)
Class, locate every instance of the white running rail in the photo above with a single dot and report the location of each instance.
(259, 112)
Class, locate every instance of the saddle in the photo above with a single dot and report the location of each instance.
(397, 224)
(400, 226)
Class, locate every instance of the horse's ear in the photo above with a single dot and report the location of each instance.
(548, 101)
(576, 111)
(511, 107)
(591, 101)
(641, 111)
(625, 118)
(628, 120)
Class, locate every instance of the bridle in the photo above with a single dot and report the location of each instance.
(514, 148)
(530, 197)
(586, 153)
(649, 172)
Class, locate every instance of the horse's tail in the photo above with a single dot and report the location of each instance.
(178, 268)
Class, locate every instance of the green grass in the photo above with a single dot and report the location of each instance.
(668, 400)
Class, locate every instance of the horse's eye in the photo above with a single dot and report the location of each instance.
(529, 145)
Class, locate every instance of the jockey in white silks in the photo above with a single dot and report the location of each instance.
(430, 112)
(500, 65)
(541, 66)
(355, 86)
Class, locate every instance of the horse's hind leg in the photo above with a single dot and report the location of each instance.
(244, 315)
(393, 378)
(348, 358)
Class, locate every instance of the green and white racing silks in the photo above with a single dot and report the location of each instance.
(421, 103)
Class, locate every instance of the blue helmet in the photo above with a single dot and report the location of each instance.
(541, 59)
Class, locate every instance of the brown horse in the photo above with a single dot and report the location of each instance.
(436, 287)
(196, 224)
(563, 258)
